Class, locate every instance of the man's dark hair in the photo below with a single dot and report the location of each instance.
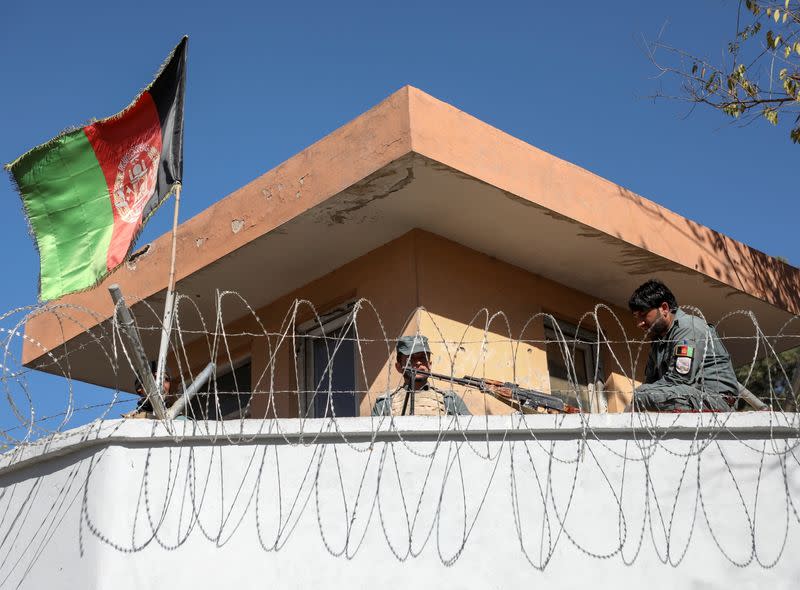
(651, 295)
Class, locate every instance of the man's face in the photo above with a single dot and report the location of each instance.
(654, 321)
(167, 384)
(419, 361)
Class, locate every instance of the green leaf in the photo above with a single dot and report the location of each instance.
(776, 14)
(771, 115)
(753, 7)
(713, 82)
(733, 109)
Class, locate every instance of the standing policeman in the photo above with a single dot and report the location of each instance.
(688, 367)
(416, 396)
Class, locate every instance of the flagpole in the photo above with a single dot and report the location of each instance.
(169, 303)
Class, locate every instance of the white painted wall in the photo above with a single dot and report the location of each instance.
(129, 505)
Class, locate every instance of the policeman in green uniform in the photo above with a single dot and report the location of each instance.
(688, 367)
(416, 396)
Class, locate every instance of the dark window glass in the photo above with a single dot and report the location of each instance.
(230, 401)
(561, 384)
(334, 374)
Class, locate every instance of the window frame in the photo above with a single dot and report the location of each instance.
(586, 341)
(208, 396)
(324, 324)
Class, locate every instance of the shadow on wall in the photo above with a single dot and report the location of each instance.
(727, 260)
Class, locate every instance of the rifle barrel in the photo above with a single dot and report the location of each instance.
(521, 395)
(441, 377)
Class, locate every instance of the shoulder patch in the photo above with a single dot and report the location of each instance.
(683, 364)
(683, 350)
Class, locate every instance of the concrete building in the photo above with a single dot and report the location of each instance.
(415, 217)
(415, 203)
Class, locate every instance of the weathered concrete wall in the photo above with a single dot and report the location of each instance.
(484, 504)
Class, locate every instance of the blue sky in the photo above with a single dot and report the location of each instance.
(267, 79)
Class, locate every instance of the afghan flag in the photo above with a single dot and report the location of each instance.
(88, 192)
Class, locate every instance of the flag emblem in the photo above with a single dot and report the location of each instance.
(136, 180)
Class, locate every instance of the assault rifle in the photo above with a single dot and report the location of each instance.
(528, 401)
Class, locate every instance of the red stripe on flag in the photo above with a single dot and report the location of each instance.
(128, 149)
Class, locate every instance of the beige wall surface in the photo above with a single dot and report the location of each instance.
(494, 313)
(483, 317)
(384, 277)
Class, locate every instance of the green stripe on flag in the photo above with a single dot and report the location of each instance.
(66, 197)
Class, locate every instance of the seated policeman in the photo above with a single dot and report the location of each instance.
(413, 353)
(688, 367)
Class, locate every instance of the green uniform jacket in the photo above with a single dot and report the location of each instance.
(690, 360)
(453, 403)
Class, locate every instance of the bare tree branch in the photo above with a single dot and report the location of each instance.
(760, 80)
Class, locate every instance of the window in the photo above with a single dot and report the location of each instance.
(230, 399)
(328, 354)
(572, 369)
